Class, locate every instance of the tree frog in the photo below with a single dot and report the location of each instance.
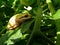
(17, 19)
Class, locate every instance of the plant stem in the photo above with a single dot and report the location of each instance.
(37, 24)
(14, 3)
(50, 6)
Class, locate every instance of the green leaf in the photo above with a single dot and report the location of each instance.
(10, 36)
(26, 25)
(13, 37)
(56, 17)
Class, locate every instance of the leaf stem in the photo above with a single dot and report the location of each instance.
(50, 6)
(14, 3)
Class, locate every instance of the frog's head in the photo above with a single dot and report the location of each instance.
(24, 16)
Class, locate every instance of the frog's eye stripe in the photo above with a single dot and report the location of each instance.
(26, 15)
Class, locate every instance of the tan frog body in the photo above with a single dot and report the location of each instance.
(17, 19)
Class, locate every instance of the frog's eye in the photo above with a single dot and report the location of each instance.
(26, 15)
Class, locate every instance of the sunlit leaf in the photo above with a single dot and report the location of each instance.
(57, 21)
(14, 36)
(10, 36)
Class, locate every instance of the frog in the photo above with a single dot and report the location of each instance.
(17, 19)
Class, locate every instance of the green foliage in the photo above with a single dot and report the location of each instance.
(42, 29)
(27, 2)
(56, 17)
